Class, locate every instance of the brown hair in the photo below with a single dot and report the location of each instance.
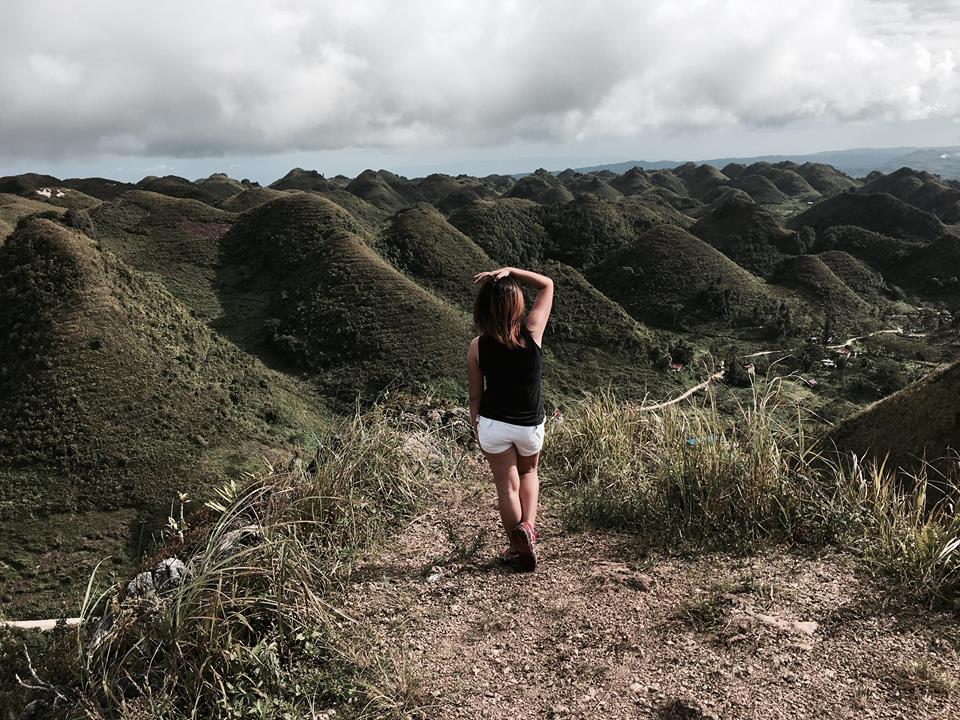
(498, 311)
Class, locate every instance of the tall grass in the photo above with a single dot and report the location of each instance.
(254, 629)
(690, 476)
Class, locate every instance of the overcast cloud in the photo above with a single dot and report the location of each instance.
(228, 78)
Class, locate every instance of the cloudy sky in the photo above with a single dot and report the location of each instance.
(125, 89)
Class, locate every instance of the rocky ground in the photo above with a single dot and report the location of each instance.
(604, 630)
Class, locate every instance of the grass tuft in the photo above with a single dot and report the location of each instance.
(689, 476)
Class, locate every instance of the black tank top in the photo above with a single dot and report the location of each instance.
(513, 378)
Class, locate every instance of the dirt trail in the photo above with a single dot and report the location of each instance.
(604, 630)
(685, 395)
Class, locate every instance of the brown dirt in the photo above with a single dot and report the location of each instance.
(603, 630)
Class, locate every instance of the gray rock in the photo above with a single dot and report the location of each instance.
(141, 585)
(169, 574)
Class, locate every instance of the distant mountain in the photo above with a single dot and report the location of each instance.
(858, 162)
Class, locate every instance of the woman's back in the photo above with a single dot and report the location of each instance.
(512, 392)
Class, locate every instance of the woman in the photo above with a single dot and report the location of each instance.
(506, 408)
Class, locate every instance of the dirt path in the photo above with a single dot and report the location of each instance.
(45, 625)
(603, 630)
(850, 341)
(685, 395)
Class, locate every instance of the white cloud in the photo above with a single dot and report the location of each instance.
(198, 79)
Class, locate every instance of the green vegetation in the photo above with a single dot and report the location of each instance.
(171, 239)
(666, 275)
(114, 396)
(423, 245)
(878, 212)
(509, 230)
(540, 187)
(159, 342)
(309, 286)
(748, 234)
(919, 422)
(253, 629)
(13, 208)
(859, 276)
(249, 198)
(372, 187)
(691, 477)
(815, 281)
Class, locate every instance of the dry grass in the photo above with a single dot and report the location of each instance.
(688, 475)
(254, 630)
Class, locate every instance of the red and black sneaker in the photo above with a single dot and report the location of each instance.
(525, 538)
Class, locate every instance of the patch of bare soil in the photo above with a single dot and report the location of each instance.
(602, 630)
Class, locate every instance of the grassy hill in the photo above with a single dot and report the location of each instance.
(582, 232)
(173, 239)
(591, 343)
(115, 400)
(422, 244)
(15, 207)
(300, 278)
(372, 187)
(369, 216)
(592, 185)
(879, 212)
(449, 193)
(648, 210)
(300, 179)
(100, 188)
(633, 182)
(825, 179)
(700, 181)
(747, 233)
(920, 420)
(933, 269)
(881, 252)
(759, 188)
(920, 189)
(669, 277)
(116, 395)
(857, 275)
(249, 198)
(220, 186)
(815, 280)
(509, 230)
(791, 183)
(540, 187)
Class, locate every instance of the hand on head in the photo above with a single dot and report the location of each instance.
(493, 275)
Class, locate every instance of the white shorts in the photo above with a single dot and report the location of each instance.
(496, 436)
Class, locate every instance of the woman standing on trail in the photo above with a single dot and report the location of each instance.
(506, 408)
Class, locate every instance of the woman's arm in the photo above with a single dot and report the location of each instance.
(474, 382)
(542, 303)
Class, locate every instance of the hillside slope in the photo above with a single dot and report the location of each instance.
(668, 276)
(173, 239)
(297, 275)
(920, 420)
(114, 395)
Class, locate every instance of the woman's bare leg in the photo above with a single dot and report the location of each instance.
(507, 480)
(529, 490)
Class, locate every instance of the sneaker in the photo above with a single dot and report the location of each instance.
(525, 537)
(509, 556)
